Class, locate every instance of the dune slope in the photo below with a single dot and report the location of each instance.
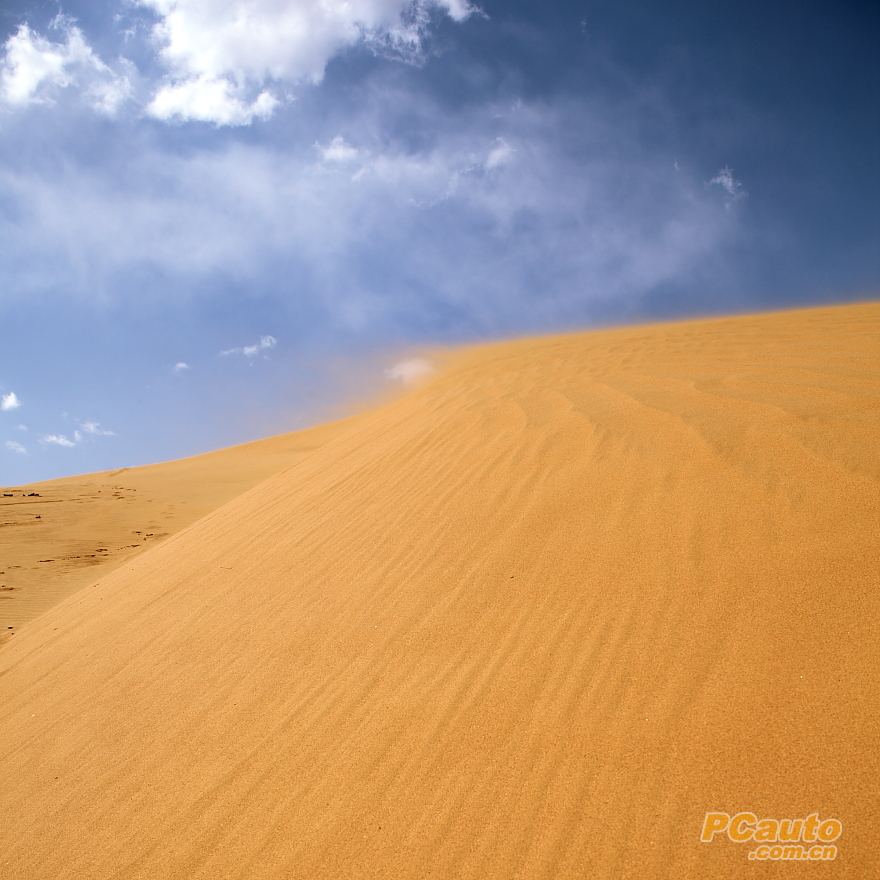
(58, 536)
(532, 621)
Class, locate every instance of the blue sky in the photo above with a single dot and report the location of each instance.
(220, 218)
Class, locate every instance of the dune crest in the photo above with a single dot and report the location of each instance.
(533, 620)
(59, 536)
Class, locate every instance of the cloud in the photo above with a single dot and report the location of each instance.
(31, 61)
(209, 99)
(58, 440)
(95, 429)
(108, 94)
(499, 154)
(219, 54)
(339, 151)
(387, 214)
(729, 184)
(34, 69)
(179, 367)
(9, 401)
(410, 371)
(250, 351)
(419, 240)
(90, 429)
(227, 63)
(12, 446)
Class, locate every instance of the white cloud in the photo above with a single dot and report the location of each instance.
(423, 236)
(33, 68)
(209, 99)
(410, 371)
(108, 95)
(92, 429)
(9, 401)
(725, 179)
(179, 367)
(218, 52)
(250, 351)
(12, 446)
(21, 427)
(95, 429)
(32, 61)
(57, 440)
(339, 151)
(499, 154)
(459, 10)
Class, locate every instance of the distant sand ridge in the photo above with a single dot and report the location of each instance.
(61, 535)
(534, 620)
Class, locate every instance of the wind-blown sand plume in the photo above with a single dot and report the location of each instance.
(532, 621)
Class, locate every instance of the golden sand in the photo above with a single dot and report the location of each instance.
(533, 620)
(61, 535)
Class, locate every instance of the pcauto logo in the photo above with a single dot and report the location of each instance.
(809, 839)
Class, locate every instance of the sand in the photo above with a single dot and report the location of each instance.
(533, 620)
(59, 536)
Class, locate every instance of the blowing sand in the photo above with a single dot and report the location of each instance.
(533, 620)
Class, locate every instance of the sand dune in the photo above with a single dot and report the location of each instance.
(61, 535)
(533, 620)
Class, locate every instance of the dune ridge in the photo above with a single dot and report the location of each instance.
(533, 620)
(58, 536)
